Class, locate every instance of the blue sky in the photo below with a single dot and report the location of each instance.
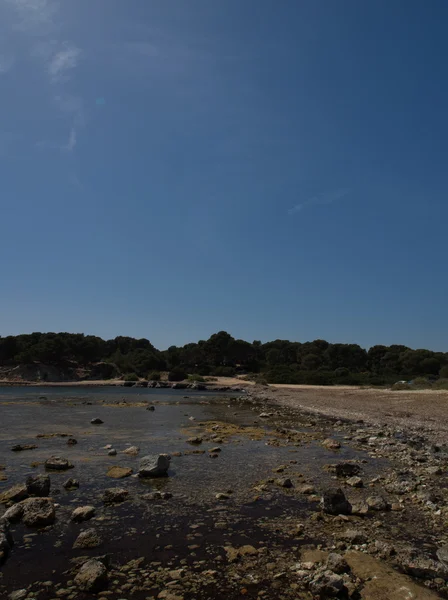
(273, 169)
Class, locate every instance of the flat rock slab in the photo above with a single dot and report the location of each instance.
(14, 494)
(119, 472)
(382, 582)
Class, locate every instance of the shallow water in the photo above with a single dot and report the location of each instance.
(194, 479)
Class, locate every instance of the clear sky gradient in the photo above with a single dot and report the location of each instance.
(273, 169)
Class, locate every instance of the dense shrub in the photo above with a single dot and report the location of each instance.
(131, 377)
(441, 384)
(196, 377)
(399, 387)
(177, 374)
(223, 371)
(154, 376)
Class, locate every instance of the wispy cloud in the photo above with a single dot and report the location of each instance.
(322, 198)
(6, 63)
(34, 15)
(71, 140)
(63, 61)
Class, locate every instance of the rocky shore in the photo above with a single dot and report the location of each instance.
(255, 499)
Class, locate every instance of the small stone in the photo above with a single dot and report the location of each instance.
(215, 450)
(92, 577)
(72, 442)
(151, 408)
(337, 564)
(327, 584)
(88, 538)
(71, 484)
(285, 482)
(132, 451)
(83, 513)
(112, 452)
(195, 440)
(21, 447)
(353, 536)
(18, 595)
(56, 463)
(222, 496)
(355, 481)
(331, 444)
(14, 494)
(377, 503)
(97, 421)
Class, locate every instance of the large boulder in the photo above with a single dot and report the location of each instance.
(115, 495)
(56, 463)
(88, 538)
(38, 485)
(38, 512)
(154, 465)
(92, 576)
(83, 513)
(334, 502)
(15, 494)
(6, 540)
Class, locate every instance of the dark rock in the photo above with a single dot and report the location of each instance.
(152, 408)
(112, 452)
(347, 469)
(154, 465)
(157, 496)
(38, 485)
(88, 538)
(179, 386)
(38, 512)
(96, 421)
(129, 384)
(115, 495)
(56, 463)
(72, 442)
(6, 541)
(71, 484)
(334, 502)
(92, 576)
(195, 440)
(285, 482)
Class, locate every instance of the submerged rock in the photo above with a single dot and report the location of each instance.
(38, 512)
(119, 472)
(115, 495)
(71, 484)
(21, 447)
(38, 485)
(334, 502)
(132, 451)
(154, 465)
(92, 576)
(72, 442)
(56, 463)
(83, 513)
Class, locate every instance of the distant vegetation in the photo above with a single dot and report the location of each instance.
(279, 361)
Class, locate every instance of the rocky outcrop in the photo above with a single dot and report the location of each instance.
(154, 465)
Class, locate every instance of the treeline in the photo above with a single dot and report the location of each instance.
(279, 361)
